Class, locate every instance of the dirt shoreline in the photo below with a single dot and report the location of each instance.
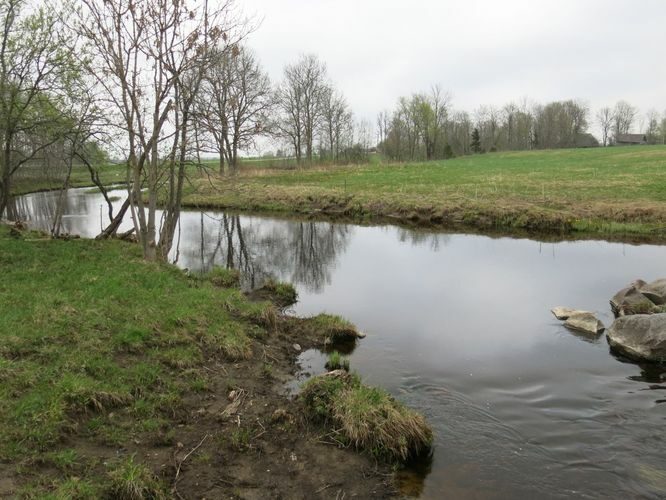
(260, 444)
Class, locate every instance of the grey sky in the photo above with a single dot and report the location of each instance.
(482, 51)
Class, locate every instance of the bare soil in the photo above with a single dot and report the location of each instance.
(260, 445)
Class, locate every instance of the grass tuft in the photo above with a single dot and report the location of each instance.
(133, 481)
(333, 329)
(368, 418)
(337, 361)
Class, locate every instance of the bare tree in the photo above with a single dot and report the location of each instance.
(234, 103)
(605, 121)
(337, 123)
(624, 115)
(652, 132)
(383, 127)
(299, 101)
(149, 57)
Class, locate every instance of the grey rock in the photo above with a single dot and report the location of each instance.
(640, 336)
(655, 292)
(585, 322)
(564, 313)
(630, 300)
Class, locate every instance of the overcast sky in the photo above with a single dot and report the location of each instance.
(482, 51)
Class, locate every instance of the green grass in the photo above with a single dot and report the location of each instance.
(367, 418)
(97, 343)
(133, 481)
(24, 183)
(602, 190)
(332, 329)
(223, 277)
(337, 361)
(282, 294)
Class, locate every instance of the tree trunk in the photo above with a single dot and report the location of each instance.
(112, 228)
(4, 194)
(5, 183)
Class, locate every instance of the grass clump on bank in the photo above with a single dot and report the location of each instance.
(283, 294)
(97, 344)
(367, 418)
(223, 277)
(337, 361)
(333, 329)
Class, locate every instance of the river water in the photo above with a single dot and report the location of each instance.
(459, 328)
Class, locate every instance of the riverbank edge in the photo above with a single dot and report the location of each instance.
(535, 223)
(360, 472)
(516, 225)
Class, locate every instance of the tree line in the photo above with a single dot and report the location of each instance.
(425, 126)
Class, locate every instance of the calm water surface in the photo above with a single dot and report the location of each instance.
(459, 328)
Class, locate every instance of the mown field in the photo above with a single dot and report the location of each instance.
(603, 190)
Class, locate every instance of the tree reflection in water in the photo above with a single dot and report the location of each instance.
(302, 253)
(423, 237)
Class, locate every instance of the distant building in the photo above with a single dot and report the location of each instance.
(630, 139)
(586, 141)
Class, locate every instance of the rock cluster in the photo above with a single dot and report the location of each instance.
(639, 330)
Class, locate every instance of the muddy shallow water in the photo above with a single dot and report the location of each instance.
(459, 328)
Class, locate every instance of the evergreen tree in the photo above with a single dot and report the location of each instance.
(476, 141)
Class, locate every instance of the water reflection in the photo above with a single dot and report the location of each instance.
(435, 241)
(303, 253)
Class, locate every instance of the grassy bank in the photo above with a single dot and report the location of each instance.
(599, 191)
(24, 182)
(126, 379)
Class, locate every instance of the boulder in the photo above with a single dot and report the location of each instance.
(585, 322)
(655, 292)
(630, 300)
(564, 313)
(640, 336)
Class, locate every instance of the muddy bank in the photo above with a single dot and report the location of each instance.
(257, 442)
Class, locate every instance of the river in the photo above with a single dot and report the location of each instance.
(459, 327)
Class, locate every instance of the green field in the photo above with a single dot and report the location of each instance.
(603, 190)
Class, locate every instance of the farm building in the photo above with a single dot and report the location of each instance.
(630, 139)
